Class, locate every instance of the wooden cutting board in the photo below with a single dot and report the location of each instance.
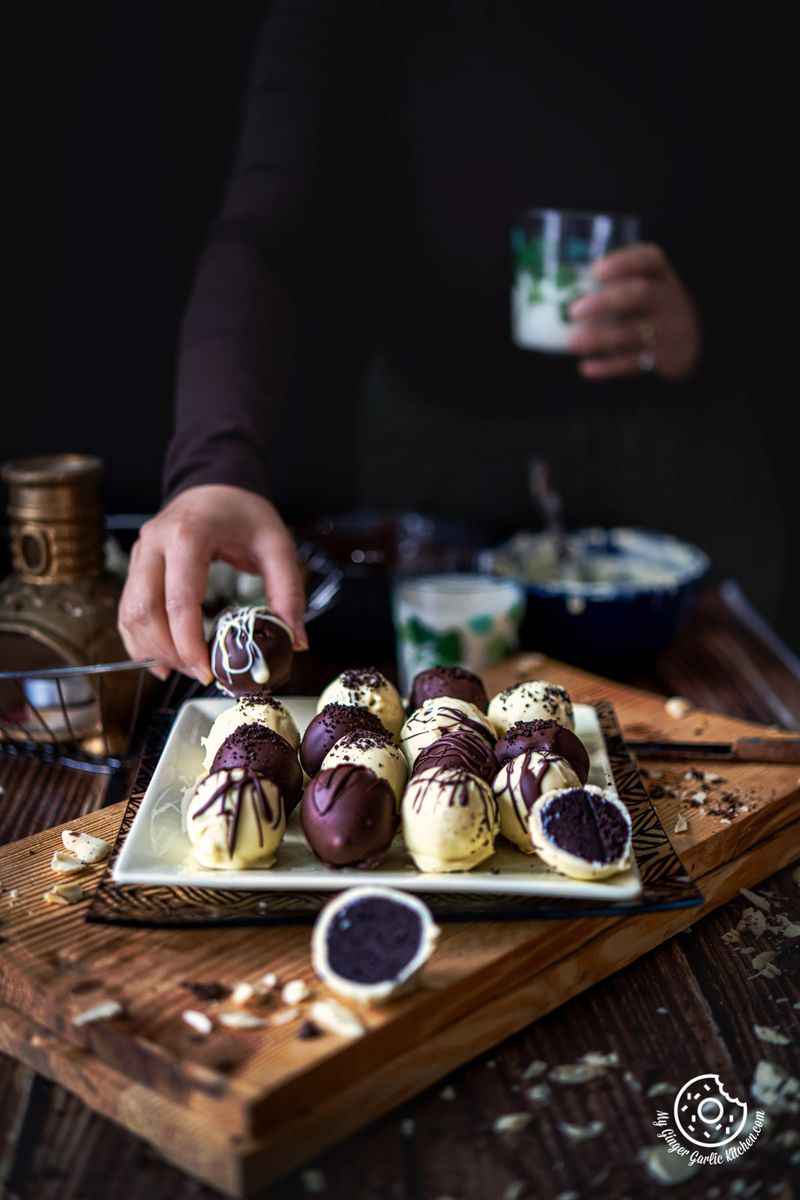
(240, 1108)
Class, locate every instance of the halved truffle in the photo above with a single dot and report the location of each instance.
(370, 943)
(583, 832)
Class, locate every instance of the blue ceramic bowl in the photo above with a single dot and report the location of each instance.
(621, 593)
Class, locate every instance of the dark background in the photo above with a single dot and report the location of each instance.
(128, 115)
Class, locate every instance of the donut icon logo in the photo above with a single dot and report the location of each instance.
(706, 1115)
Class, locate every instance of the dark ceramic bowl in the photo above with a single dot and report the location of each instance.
(621, 594)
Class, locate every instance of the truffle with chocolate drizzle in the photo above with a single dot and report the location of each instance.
(236, 819)
(251, 651)
(450, 820)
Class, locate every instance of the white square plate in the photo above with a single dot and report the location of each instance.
(157, 849)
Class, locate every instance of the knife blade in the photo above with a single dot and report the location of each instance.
(743, 749)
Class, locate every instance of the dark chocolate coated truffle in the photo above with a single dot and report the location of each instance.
(585, 824)
(325, 729)
(266, 753)
(546, 737)
(348, 816)
(251, 651)
(461, 750)
(457, 683)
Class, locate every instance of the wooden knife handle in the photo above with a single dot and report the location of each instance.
(767, 749)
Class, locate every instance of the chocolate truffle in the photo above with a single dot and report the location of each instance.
(266, 753)
(348, 816)
(438, 716)
(463, 750)
(329, 725)
(251, 651)
(533, 700)
(450, 820)
(249, 710)
(455, 682)
(235, 820)
(370, 943)
(368, 688)
(583, 832)
(378, 751)
(546, 737)
(519, 784)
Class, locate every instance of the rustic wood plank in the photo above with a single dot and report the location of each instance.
(226, 1076)
(621, 1015)
(332, 1115)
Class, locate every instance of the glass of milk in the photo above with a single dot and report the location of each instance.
(553, 251)
(465, 620)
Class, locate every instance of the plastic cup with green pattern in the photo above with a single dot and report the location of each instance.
(554, 250)
(454, 620)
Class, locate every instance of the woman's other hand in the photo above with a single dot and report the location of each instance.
(641, 319)
(159, 613)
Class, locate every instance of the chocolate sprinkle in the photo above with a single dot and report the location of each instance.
(308, 1030)
(208, 992)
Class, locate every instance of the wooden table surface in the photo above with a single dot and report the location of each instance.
(690, 1007)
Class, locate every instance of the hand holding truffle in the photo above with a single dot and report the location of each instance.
(159, 613)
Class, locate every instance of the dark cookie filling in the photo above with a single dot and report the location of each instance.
(588, 826)
(373, 939)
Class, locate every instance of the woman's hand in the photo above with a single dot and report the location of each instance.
(654, 324)
(159, 613)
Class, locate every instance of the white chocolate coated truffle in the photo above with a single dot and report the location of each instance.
(235, 820)
(249, 710)
(439, 715)
(364, 749)
(450, 820)
(535, 700)
(365, 687)
(518, 785)
(583, 832)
